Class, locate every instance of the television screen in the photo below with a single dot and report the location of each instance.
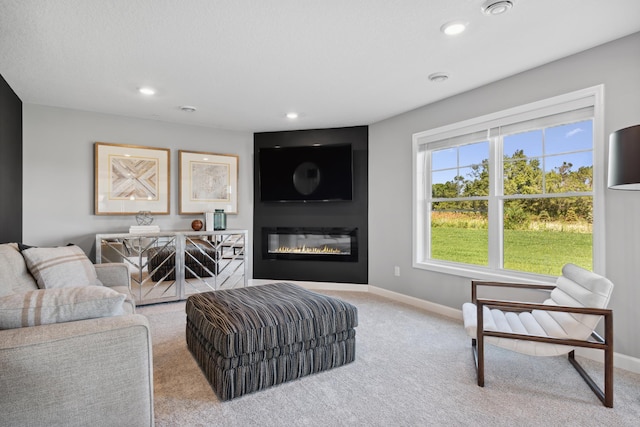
(306, 174)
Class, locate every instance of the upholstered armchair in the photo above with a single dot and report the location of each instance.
(563, 322)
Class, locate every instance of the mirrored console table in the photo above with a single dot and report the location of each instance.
(169, 266)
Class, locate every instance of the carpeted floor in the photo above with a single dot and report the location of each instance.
(412, 368)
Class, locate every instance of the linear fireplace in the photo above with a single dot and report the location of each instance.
(310, 243)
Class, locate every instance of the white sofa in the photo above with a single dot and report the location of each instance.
(88, 362)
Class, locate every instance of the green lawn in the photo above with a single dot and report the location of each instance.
(543, 252)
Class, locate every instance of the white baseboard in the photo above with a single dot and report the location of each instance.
(417, 302)
(620, 361)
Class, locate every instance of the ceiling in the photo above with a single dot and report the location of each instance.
(244, 64)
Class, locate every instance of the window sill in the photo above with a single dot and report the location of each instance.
(483, 273)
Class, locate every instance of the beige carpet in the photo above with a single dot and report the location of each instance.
(412, 368)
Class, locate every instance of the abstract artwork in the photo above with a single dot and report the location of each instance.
(208, 181)
(130, 179)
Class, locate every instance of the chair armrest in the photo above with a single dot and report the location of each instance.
(522, 306)
(476, 283)
(99, 368)
(114, 274)
(526, 306)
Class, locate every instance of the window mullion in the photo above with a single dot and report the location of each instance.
(495, 203)
(422, 204)
(426, 221)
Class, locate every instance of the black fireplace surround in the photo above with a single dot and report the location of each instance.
(320, 241)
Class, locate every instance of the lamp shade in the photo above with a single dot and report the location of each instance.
(624, 159)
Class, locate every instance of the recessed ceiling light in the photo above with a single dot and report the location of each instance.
(147, 90)
(453, 28)
(493, 7)
(438, 77)
(292, 115)
(188, 109)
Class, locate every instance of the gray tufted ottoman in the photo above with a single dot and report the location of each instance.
(248, 339)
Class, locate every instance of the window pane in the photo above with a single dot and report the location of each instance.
(543, 234)
(571, 137)
(445, 183)
(460, 171)
(444, 159)
(522, 175)
(476, 180)
(459, 232)
(467, 174)
(474, 154)
(574, 160)
(444, 176)
(529, 143)
(569, 172)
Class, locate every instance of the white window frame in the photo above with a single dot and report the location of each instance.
(589, 97)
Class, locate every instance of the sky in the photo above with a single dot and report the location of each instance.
(571, 143)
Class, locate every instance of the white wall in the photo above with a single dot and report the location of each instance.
(58, 148)
(617, 66)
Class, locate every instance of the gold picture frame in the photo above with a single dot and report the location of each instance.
(208, 181)
(130, 179)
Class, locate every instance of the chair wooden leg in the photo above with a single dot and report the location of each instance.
(605, 397)
(480, 360)
(608, 377)
(608, 361)
(474, 353)
(480, 344)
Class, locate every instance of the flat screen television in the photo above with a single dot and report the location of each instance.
(321, 173)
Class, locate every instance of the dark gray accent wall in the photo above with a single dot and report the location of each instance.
(352, 213)
(10, 164)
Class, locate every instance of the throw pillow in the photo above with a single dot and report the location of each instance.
(45, 306)
(60, 267)
(14, 276)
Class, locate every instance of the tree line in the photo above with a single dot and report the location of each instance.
(523, 176)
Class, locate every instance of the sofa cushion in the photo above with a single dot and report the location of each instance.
(60, 267)
(45, 306)
(14, 275)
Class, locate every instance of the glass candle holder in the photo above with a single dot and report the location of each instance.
(219, 219)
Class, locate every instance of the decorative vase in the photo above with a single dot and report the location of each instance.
(219, 219)
(144, 218)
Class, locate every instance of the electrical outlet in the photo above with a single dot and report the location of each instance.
(396, 271)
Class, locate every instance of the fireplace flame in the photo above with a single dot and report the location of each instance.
(304, 249)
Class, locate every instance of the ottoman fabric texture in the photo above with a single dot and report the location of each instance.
(247, 339)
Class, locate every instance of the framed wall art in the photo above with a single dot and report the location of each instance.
(130, 179)
(208, 181)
